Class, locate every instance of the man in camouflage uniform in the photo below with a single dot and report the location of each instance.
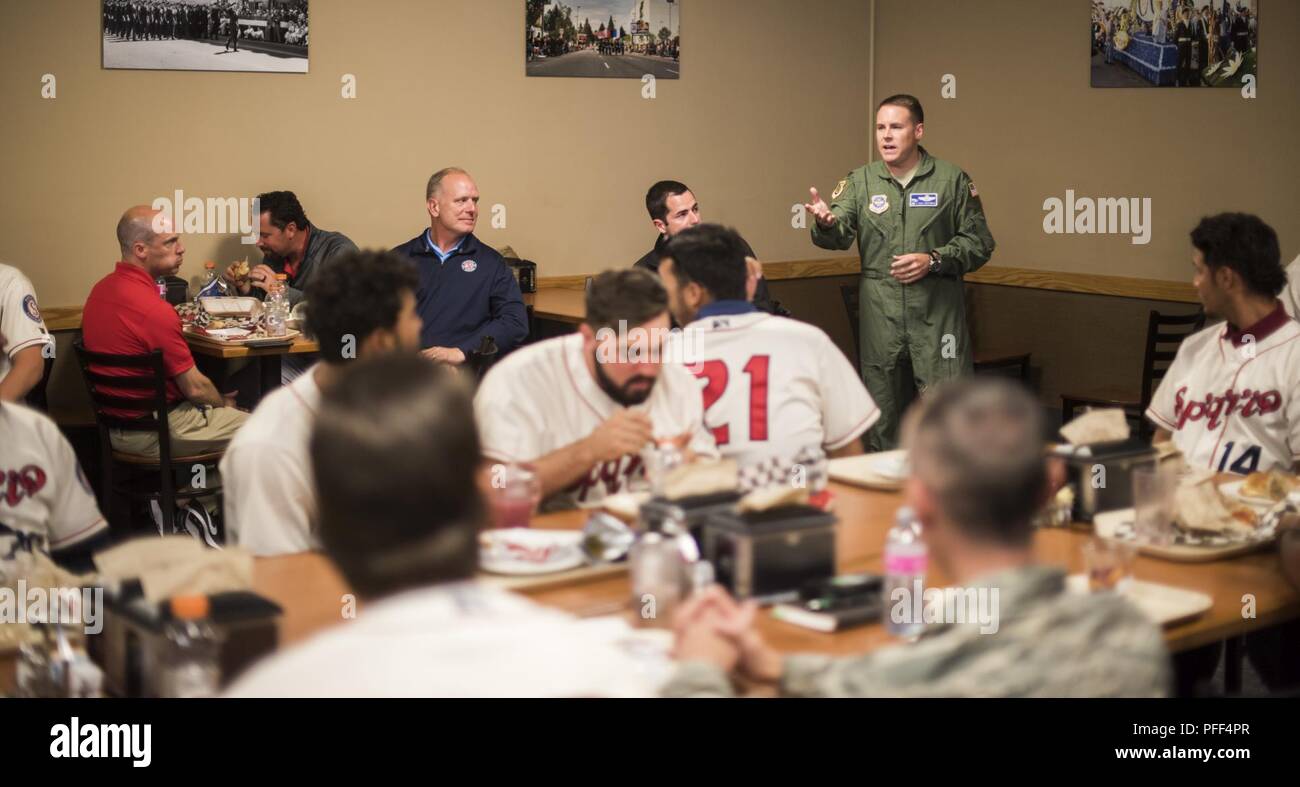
(977, 453)
(919, 225)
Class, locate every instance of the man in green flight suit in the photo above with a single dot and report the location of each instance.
(920, 228)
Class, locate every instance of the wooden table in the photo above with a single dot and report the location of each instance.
(311, 592)
(313, 595)
(560, 305)
(268, 357)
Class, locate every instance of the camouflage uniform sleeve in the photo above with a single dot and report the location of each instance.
(697, 679)
(811, 675)
(973, 244)
(846, 204)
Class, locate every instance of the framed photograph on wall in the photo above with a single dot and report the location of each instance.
(1174, 43)
(206, 35)
(603, 39)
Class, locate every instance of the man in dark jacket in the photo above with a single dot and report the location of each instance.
(467, 290)
(292, 246)
(289, 245)
(673, 208)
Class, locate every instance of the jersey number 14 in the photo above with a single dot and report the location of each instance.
(1246, 463)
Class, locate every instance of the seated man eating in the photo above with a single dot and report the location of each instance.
(582, 407)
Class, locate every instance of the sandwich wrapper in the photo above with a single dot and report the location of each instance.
(698, 479)
(1097, 426)
(1199, 506)
(773, 497)
(37, 571)
(176, 566)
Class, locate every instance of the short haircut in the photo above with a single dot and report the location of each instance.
(632, 295)
(656, 199)
(284, 207)
(395, 455)
(1245, 244)
(356, 294)
(436, 179)
(132, 230)
(977, 445)
(911, 103)
(713, 257)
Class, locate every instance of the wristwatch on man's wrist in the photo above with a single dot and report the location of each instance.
(936, 259)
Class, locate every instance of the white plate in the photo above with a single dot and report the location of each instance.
(1232, 489)
(890, 464)
(1162, 604)
(288, 338)
(522, 551)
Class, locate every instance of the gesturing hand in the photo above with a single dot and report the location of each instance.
(819, 209)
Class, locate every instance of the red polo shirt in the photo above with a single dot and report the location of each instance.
(125, 316)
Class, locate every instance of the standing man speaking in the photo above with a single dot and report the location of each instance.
(920, 228)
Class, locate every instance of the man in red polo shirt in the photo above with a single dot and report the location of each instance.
(125, 315)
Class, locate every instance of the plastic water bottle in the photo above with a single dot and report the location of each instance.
(213, 285)
(190, 662)
(659, 566)
(906, 557)
(162, 287)
(277, 308)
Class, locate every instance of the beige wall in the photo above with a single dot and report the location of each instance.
(773, 99)
(1027, 126)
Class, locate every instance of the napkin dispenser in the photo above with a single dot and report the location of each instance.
(1102, 474)
(696, 510)
(770, 555)
(133, 637)
(525, 272)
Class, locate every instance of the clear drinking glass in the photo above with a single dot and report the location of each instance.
(1108, 564)
(1153, 503)
(516, 491)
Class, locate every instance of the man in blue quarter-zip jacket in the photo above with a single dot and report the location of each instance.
(467, 291)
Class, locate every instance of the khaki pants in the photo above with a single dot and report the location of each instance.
(194, 430)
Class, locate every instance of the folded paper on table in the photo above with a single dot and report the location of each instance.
(177, 565)
(1097, 426)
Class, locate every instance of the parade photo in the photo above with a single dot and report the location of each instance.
(620, 39)
(197, 35)
(1174, 43)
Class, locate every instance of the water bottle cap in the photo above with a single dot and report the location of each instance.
(282, 277)
(209, 265)
(904, 513)
(190, 607)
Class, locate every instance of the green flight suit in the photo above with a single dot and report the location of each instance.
(926, 320)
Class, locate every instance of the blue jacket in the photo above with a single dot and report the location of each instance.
(471, 295)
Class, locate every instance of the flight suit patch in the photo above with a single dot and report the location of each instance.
(840, 189)
(879, 203)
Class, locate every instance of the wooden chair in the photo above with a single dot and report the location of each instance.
(1014, 365)
(138, 477)
(1165, 332)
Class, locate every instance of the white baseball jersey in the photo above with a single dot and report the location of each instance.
(20, 317)
(542, 398)
(773, 386)
(45, 500)
(460, 640)
(270, 499)
(1233, 404)
(1291, 295)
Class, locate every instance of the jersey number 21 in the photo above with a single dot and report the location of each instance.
(716, 376)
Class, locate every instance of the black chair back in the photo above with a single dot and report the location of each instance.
(1165, 333)
(146, 413)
